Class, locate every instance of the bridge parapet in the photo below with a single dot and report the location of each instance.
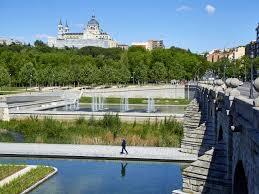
(226, 141)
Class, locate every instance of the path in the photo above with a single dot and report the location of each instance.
(94, 151)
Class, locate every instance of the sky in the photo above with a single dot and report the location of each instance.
(198, 25)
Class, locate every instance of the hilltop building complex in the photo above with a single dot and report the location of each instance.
(92, 35)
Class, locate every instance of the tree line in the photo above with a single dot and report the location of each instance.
(240, 68)
(40, 65)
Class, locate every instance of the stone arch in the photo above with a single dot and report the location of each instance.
(220, 135)
(240, 181)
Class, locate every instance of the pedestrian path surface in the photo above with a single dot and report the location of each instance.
(94, 151)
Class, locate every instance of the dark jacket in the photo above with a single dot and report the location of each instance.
(123, 144)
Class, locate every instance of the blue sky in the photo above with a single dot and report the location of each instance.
(199, 25)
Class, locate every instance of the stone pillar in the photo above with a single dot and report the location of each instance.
(210, 100)
(233, 92)
(234, 84)
(256, 86)
(4, 111)
(219, 86)
(202, 104)
(228, 85)
(206, 107)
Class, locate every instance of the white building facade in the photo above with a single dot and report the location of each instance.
(9, 41)
(92, 35)
(150, 44)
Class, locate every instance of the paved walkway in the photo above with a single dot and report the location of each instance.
(94, 151)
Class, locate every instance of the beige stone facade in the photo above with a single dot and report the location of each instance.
(231, 54)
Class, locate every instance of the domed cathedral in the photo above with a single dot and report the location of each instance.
(93, 31)
(92, 35)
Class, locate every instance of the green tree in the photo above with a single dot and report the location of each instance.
(39, 43)
(141, 73)
(4, 77)
(158, 72)
(123, 74)
(89, 74)
(28, 74)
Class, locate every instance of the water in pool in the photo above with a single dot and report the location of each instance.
(132, 108)
(106, 177)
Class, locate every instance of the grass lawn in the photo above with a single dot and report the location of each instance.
(7, 170)
(159, 101)
(107, 131)
(11, 90)
(25, 181)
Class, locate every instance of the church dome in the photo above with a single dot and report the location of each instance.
(93, 22)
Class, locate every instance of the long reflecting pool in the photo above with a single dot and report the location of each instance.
(106, 177)
(132, 108)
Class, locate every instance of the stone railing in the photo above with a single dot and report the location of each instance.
(222, 128)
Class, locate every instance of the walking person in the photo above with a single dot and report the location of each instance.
(123, 146)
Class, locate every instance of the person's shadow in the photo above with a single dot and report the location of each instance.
(123, 169)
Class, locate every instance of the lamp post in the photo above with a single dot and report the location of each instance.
(10, 84)
(52, 80)
(224, 73)
(196, 75)
(245, 71)
(133, 73)
(30, 79)
(251, 76)
(234, 61)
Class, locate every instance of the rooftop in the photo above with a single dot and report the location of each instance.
(93, 22)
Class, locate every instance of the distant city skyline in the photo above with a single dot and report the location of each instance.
(199, 26)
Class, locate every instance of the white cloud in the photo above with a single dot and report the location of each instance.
(183, 8)
(210, 9)
(41, 36)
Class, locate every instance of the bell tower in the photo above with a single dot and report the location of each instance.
(257, 32)
(60, 30)
(66, 29)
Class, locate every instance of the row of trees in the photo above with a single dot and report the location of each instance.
(23, 65)
(239, 68)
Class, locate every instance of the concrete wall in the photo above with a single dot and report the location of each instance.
(128, 117)
(4, 111)
(169, 91)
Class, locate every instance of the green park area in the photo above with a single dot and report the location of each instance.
(107, 131)
(11, 90)
(158, 101)
(8, 170)
(25, 181)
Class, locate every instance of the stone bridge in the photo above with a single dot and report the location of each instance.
(222, 128)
